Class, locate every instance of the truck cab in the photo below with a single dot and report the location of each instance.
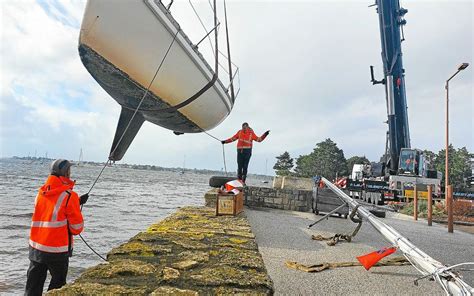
(410, 161)
(414, 163)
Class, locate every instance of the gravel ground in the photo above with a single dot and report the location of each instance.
(284, 235)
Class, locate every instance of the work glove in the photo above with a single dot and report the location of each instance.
(83, 199)
(223, 141)
(266, 133)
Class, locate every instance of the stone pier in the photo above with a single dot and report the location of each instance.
(192, 252)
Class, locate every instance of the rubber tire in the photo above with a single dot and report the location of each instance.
(381, 201)
(379, 214)
(218, 181)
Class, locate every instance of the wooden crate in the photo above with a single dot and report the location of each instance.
(229, 204)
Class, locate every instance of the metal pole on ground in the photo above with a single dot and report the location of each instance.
(415, 202)
(450, 208)
(451, 282)
(430, 206)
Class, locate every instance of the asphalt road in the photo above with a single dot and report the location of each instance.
(284, 235)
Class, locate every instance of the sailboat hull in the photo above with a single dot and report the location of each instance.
(128, 93)
(122, 43)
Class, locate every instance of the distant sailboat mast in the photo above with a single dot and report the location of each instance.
(184, 165)
(81, 156)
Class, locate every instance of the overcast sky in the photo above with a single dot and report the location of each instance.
(304, 75)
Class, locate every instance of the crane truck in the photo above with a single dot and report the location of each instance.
(401, 167)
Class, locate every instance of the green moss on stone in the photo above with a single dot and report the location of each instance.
(189, 253)
(198, 256)
(227, 275)
(125, 267)
(96, 289)
(238, 240)
(224, 291)
(241, 258)
(138, 248)
(166, 290)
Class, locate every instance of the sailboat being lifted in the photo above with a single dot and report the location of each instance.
(139, 55)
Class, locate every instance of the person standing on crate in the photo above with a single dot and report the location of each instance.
(245, 137)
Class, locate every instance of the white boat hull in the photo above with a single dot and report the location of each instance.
(122, 44)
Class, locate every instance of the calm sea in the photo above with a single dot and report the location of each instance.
(123, 202)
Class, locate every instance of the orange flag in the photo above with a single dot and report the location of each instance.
(370, 259)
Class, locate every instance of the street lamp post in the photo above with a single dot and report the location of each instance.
(448, 193)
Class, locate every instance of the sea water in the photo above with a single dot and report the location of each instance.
(123, 202)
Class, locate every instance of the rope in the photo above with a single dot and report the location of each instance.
(223, 149)
(396, 261)
(206, 87)
(223, 156)
(126, 128)
(136, 110)
(96, 179)
(333, 240)
(165, 109)
(91, 248)
(146, 92)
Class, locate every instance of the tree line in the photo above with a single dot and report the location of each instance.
(328, 160)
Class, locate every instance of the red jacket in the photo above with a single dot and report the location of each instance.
(245, 138)
(57, 210)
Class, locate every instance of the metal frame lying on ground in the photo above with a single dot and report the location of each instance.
(450, 281)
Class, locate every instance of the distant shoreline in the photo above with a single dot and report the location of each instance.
(136, 166)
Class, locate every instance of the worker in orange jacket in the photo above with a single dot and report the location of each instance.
(56, 218)
(245, 136)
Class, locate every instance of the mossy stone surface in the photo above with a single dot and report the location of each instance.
(167, 290)
(96, 289)
(192, 252)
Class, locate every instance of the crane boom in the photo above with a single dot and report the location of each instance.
(391, 23)
(401, 168)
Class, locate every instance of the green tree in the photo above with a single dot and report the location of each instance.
(326, 160)
(459, 165)
(356, 160)
(284, 164)
(304, 166)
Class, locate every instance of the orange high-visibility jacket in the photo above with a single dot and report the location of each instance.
(245, 138)
(52, 217)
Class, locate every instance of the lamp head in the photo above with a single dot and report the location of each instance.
(463, 66)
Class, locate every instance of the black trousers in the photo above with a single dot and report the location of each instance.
(243, 158)
(36, 276)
